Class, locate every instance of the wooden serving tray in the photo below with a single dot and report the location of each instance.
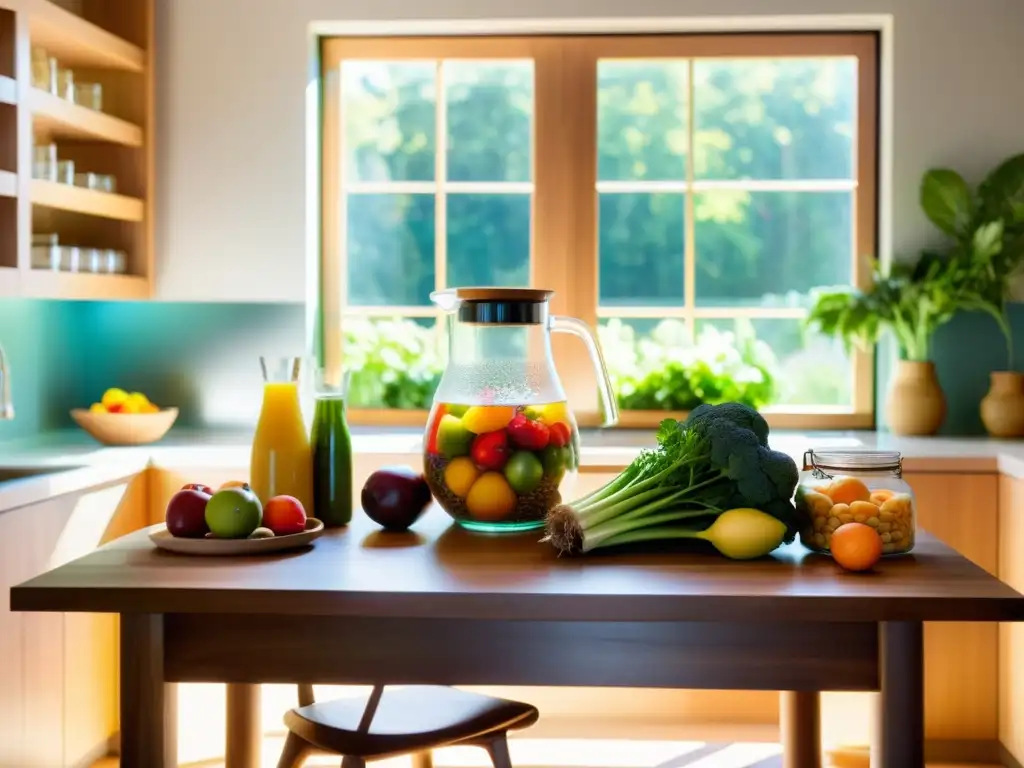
(162, 538)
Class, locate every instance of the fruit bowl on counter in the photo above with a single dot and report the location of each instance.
(125, 418)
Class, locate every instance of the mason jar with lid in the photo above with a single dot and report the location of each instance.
(855, 486)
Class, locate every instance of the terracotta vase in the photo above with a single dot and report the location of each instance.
(915, 404)
(1002, 409)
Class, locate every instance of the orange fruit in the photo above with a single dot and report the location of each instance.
(846, 490)
(856, 546)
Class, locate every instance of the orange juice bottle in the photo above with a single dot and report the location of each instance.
(282, 462)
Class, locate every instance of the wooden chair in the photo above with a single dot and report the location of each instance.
(411, 720)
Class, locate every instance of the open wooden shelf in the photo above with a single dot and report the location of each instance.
(76, 42)
(8, 90)
(65, 197)
(8, 184)
(47, 284)
(61, 119)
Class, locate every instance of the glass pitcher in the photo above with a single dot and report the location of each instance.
(501, 444)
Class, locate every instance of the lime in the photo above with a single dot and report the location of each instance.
(233, 513)
(524, 471)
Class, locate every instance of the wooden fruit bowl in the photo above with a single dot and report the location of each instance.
(125, 428)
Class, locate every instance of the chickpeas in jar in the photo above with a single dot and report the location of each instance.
(846, 486)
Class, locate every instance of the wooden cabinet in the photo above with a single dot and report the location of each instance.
(961, 660)
(58, 672)
(1011, 636)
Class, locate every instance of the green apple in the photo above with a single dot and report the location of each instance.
(233, 513)
(453, 439)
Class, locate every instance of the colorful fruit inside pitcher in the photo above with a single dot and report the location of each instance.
(497, 467)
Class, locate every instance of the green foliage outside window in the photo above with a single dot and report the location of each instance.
(786, 119)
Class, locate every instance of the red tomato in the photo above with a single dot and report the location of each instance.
(528, 434)
(490, 450)
(559, 434)
(432, 431)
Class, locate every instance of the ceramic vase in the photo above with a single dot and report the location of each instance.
(1002, 409)
(915, 404)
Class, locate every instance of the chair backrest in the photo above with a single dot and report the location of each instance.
(306, 698)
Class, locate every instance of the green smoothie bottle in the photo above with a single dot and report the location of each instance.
(332, 455)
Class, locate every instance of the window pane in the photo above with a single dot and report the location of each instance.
(656, 365)
(488, 240)
(771, 248)
(390, 249)
(774, 119)
(641, 119)
(395, 363)
(388, 109)
(810, 369)
(490, 109)
(641, 249)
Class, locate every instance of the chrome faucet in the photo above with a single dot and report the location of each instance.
(6, 403)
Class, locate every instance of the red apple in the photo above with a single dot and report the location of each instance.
(198, 487)
(186, 514)
(284, 515)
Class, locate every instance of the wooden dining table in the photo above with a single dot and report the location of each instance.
(442, 605)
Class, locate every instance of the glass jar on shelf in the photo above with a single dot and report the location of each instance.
(91, 260)
(45, 251)
(65, 171)
(89, 95)
(855, 486)
(44, 70)
(70, 258)
(105, 182)
(44, 162)
(65, 84)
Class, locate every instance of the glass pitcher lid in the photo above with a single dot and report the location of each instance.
(520, 306)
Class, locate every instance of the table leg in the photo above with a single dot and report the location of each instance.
(243, 733)
(899, 733)
(149, 728)
(800, 726)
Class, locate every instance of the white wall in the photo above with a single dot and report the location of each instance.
(231, 76)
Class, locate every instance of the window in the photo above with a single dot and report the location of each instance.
(684, 194)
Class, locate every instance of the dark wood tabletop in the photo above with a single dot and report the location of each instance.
(438, 570)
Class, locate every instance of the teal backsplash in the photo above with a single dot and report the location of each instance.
(203, 358)
(39, 339)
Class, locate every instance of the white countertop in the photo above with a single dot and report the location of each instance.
(91, 464)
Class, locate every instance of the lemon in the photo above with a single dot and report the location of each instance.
(97, 408)
(460, 475)
(113, 396)
(555, 413)
(491, 498)
(136, 402)
(487, 418)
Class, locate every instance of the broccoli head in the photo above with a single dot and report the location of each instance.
(741, 415)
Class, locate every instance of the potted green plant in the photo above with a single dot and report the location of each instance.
(911, 301)
(987, 228)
